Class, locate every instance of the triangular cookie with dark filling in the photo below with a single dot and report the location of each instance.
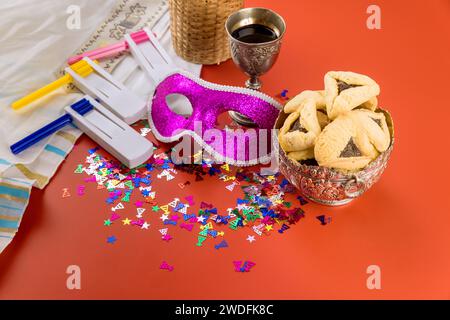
(345, 91)
(304, 123)
(352, 140)
(297, 103)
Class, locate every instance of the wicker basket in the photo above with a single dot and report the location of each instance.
(198, 29)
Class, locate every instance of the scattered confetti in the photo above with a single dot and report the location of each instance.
(80, 190)
(138, 204)
(222, 244)
(324, 220)
(139, 211)
(79, 169)
(111, 239)
(65, 193)
(243, 266)
(231, 186)
(200, 241)
(302, 200)
(187, 226)
(172, 222)
(283, 94)
(118, 207)
(190, 200)
(139, 222)
(260, 208)
(145, 131)
(165, 266)
(283, 228)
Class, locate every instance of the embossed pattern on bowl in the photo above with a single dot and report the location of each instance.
(328, 186)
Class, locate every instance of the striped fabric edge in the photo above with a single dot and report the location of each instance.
(45, 165)
(4, 164)
(14, 197)
(17, 180)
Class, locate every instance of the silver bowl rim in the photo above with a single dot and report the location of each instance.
(342, 175)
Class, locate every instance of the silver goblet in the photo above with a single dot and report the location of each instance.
(255, 36)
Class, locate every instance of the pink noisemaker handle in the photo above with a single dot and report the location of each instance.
(110, 50)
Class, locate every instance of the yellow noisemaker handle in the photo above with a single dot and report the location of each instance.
(81, 67)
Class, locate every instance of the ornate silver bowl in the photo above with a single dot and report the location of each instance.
(328, 186)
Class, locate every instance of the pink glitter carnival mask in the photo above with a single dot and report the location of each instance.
(208, 101)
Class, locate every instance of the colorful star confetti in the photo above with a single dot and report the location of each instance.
(260, 206)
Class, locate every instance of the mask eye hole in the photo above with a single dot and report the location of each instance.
(179, 104)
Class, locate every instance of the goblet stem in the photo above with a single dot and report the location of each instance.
(253, 83)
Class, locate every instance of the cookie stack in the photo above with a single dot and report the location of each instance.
(339, 127)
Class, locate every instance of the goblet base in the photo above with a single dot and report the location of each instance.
(241, 119)
(253, 83)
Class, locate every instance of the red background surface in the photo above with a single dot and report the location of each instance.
(401, 224)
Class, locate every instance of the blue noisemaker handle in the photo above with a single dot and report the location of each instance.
(40, 134)
(82, 106)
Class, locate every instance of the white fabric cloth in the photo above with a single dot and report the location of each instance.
(35, 44)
